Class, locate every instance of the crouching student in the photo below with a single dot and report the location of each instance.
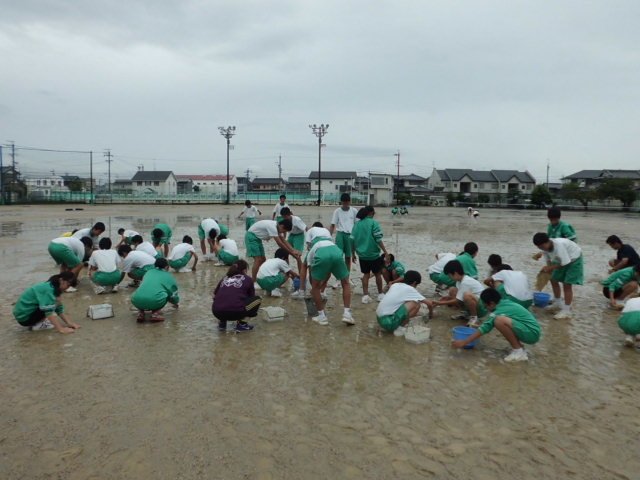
(126, 236)
(512, 285)
(467, 259)
(103, 268)
(135, 264)
(182, 254)
(234, 299)
(226, 250)
(273, 273)
(629, 322)
(401, 303)
(513, 321)
(393, 271)
(39, 307)
(156, 290)
(466, 294)
(140, 245)
(161, 238)
(620, 285)
(69, 253)
(437, 275)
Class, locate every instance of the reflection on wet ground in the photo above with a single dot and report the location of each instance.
(296, 400)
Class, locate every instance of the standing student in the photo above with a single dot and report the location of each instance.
(69, 253)
(401, 303)
(93, 233)
(516, 324)
(295, 238)
(209, 229)
(443, 281)
(250, 213)
(135, 264)
(467, 259)
(557, 228)
(265, 230)
(182, 254)
(316, 233)
(626, 255)
(39, 307)
(103, 268)
(512, 285)
(227, 250)
(342, 222)
(161, 237)
(138, 244)
(466, 294)
(370, 249)
(629, 322)
(620, 285)
(277, 215)
(126, 236)
(273, 273)
(234, 298)
(393, 271)
(156, 290)
(564, 262)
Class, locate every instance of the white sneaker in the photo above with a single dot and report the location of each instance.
(184, 270)
(321, 320)
(42, 325)
(460, 316)
(553, 307)
(114, 289)
(380, 297)
(134, 284)
(218, 264)
(298, 295)
(629, 341)
(336, 284)
(473, 322)
(517, 356)
(98, 289)
(276, 292)
(71, 290)
(563, 315)
(400, 331)
(348, 318)
(366, 299)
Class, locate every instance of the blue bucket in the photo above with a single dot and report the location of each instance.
(296, 283)
(541, 299)
(462, 333)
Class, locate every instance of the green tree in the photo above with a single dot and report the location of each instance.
(483, 198)
(196, 189)
(541, 196)
(573, 191)
(451, 198)
(618, 188)
(75, 185)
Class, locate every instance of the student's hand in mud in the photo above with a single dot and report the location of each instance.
(193, 269)
(65, 330)
(537, 256)
(175, 305)
(616, 306)
(457, 344)
(75, 326)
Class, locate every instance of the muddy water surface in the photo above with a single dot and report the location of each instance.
(295, 400)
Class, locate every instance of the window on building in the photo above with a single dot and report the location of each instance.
(316, 182)
(504, 187)
(494, 186)
(157, 184)
(455, 185)
(524, 187)
(139, 184)
(386, 181)
(337, 187)
(475, 185)
(38, 182)
(330, 181)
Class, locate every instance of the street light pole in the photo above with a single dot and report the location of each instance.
(319, 131)
(227, 133)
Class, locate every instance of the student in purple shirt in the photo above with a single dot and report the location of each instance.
(234, 299)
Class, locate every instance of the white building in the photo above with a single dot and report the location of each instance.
(212, 184)
(473, 183)
(45, 185)
(332, 182)
(154, 182)
(381, 189)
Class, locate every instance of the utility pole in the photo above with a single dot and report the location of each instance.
(548, 173)
(108, 155)
(397, 178)
(246, 184)
(227, 133)
(279, 170)
(1, 179)
(13, 168)
(91, 176)
(319, 131)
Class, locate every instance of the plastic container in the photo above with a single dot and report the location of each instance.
(541, 299)
(296, 283)
(417, 334)
(98, 312)
(462, 333)
(273, 314)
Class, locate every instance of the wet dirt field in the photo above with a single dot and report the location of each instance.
(295, 400)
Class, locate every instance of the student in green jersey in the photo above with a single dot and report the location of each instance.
(516, 324)
(39, 307)
(157, 288)
(393, 271)
(620, 285)
(467, 259)
(161, 236)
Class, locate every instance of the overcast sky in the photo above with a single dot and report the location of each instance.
(458, 84)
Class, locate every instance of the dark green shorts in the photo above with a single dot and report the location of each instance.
(391, 322)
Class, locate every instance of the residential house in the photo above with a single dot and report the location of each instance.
(79, 184)
(404, 184)
(210, 184)
(300, 185)
(471, 184)
(122, 186)
(333, 182)
(160, 182)
(268, 184)
(11, 184)
(44, 186)
(381, 189)
(244, 184)
(594, 178)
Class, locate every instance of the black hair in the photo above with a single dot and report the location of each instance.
(504, 266)
(285, 211)
(161, 263)
(222, 236)
(554, 212)
(237, 268)
(247, 203)
(362, 213)
(286, 223)
(187, 239)
(55, 281)
(282, 254)
(283, 196)
(121, 231)
(213, 233)
(392, 258)
(345, 197)
(99, 226)
(411, 277)
(613, 239)
(105, 243)
(490, 295)
(471, 248)
(88, 243)
(124, 250)
(317, 224)
(453, 266)
(540, 238)
(157, 233)
(494, 260)
(137, 239)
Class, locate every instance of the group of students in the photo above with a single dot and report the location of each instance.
(505, 295)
